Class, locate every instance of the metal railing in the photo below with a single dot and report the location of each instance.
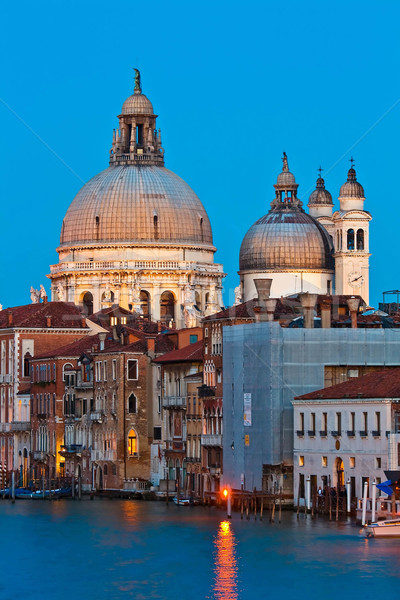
(170, 401)
(211, 439)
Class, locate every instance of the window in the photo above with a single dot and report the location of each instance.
(360, 239)
(301, 424)
(132, 369)
(206, 332)
(338, 423)
(157, 433)
(219, 376)
(377, 430)
(398, 455)
(114, 370)
(324, 461)
(301, 461)
(364, 431)
(159, 404)
(132, 443)
(132, 404)
(311, 431)
(105, 370)
(113, 321)
(352, 424)
(352, 462)
(350, 239)
(378, 462)
(324, 424)
(193, 338)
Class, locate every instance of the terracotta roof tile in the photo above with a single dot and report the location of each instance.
(63, 315)
(188, 353)
(378, 384)
(75, 349)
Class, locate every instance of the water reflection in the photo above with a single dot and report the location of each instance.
(225, 567)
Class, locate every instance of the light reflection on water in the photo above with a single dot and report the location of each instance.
(147, 550)
(225, 584)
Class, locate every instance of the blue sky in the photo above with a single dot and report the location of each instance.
(234, 84)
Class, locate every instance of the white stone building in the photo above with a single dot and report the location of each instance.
(348, 432)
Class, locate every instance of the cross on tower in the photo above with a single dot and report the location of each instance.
(352, 162)
(320, 171)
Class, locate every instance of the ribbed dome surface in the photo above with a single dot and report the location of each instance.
(320, 195)
(286, 178)
(351, 189)
(137, 104)
(286, 240)
(136, 204)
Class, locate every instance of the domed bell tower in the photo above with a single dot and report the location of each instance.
(351, 239)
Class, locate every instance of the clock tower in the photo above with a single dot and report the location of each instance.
(351, 240)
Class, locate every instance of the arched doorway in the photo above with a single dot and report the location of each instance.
(339, 473)
(87, 304)
(167, 307)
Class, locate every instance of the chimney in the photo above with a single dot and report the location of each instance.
(159, 326)
(325, 305)
(102, 338)
(353, 304)
(83, 322)
(308, 302)
(9, 318)
(95, 348)
(48, 321)
(263, 287)
(44, 299)
(270, 305)
(151, 344)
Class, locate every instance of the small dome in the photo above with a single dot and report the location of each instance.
(289, 239)
(286, 178)
(351, 189)
(320, 195)
(137, 104)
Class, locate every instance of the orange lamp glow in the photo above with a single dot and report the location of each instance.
(225, 492)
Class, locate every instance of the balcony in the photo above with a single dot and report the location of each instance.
(192, 459)
(83, 385)
(39, 455)
(175, 446)
(211, 440)
(71, 449)
(20, 426)
(5, 427)
(96, 416)
(174, 402)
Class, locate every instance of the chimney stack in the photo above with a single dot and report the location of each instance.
(102, 338)
(353, 304)
(83, 322)
(308, 302)
(48, 321)
(151, 344)
(263, 287)
(270, 305)
(326, 316)
(9, 318)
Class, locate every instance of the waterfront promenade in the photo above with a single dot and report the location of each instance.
(147, 550)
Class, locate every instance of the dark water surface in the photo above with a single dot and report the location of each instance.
(144, 550)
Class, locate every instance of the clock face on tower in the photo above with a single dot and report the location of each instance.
(355, 279)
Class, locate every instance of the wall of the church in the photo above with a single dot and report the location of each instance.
(285, 284)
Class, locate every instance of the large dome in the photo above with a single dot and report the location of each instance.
(286, 239)
(134, 204)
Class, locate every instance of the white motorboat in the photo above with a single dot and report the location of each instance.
(382, 529)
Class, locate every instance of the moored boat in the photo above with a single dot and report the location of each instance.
(390, 528)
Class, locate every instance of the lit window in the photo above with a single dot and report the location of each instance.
(301, 461)
(132, 369)
(324, 461)
(352, 462)
(132, 443)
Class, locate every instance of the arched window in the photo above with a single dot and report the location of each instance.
(132, 404)
(87, 304)
(105, 470)
(360, 239)
(350, 239)
(198, 300)
(132, 443)
(341, 241)
(145, 303)
(167, 307)
(26, 364)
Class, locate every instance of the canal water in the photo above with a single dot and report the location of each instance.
(92, 550)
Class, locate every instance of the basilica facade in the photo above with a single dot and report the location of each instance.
(137, 235)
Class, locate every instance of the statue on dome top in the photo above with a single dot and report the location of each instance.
(138, 87)
(285, 162)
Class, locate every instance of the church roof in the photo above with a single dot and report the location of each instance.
(64, 315)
